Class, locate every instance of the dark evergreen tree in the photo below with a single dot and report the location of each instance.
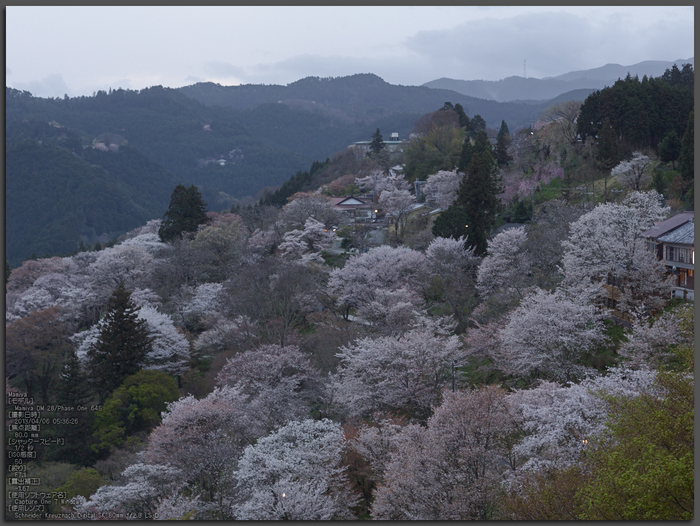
(72, 390)
(463, 119)
(670, 148)
(73, 387)
(377, 144)
(8, 270)
(186, 212)
(502, 143)
(477, 124)
(607, 154)
(122, 345)
(686, 160)
(465, 156)
(478, 194)
(453, 222)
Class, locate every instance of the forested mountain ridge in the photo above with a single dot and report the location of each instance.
(523, 88)
(362, 98)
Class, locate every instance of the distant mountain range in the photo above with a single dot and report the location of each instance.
(90, 168)
(365, 98)
(520, 89)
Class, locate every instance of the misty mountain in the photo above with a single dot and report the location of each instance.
(522, 89)
(362, 98)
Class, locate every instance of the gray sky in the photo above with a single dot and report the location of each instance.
(52, 51)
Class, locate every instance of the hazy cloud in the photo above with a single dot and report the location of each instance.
(220, 69)
(49, 86)
(552, 43)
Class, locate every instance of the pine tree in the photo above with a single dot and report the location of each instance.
(463, 119)
(186, 212)
(377, 144)
(73, 387)
(502, 143)
(453, 222)
(72, 390)
(465, 156)
(670, 148)
(478, 193)
(122, 345)
(686, 161)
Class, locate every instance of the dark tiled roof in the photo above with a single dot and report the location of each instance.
(671, 223)
(683, 235)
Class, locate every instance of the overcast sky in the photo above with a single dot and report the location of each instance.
(52, 51)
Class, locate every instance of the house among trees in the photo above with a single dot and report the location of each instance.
(392, 144)
(357, 209)
(673, 241)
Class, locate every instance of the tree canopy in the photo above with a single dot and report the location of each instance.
(186, 212)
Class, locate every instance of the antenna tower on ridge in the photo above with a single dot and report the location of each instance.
(525, 68)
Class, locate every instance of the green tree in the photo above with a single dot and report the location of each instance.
(73, 387)
(135, 406)
(478, 194)
(463, 119)
(477, 124)
(377, 144)
(686, 160)
(82, 482)
(644, 471)
(465, 155)
(186, 212)
(670, 148)
(8, 269)
(502, 143)
(453, 222)
(122, 345)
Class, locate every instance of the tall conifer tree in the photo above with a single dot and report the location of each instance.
(122, 345)
(186, 212)
(478, 193)
(502, 143)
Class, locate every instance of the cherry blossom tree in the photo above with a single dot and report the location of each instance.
(170, 349)
(377, 443)
(55, 282)
(397, 204)
(295, 473)
(442, 187)
(307, 244)
(390, 312)
(605, 243)
(145, 485)
(204, 438)
(129, 263)
(650, 342)
(547, 335)
(379, 181)
(506, 265)
(295, 213)
(545, 234)
(382, 267)
(633, 173)
(404, 374)
(279, 381)
(453, 268)
(274, 296)
(218, 244)
(451, 469)
(558, 421)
